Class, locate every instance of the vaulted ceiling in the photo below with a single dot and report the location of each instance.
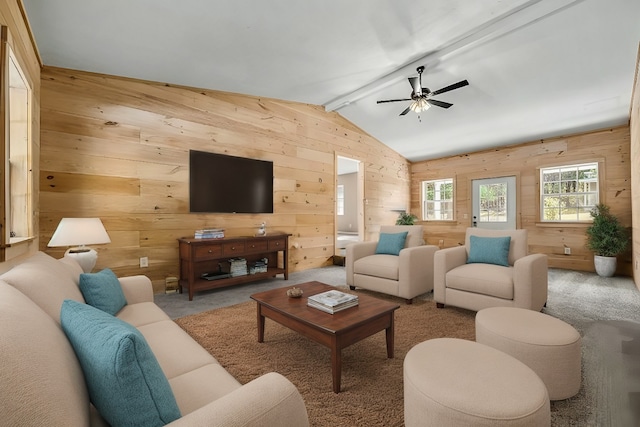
(536, 68)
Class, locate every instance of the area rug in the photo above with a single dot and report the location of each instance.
(595, 306)
(372, 385)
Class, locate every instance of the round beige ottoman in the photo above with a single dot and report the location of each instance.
(454, 382)
(547, 345)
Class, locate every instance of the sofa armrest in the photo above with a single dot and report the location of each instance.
(415, 270)
(137, 289)
(354, 252)
(530, 281)
(444, 261)
(269, 400)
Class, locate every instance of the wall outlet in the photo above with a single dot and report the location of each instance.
(440, 242)
(144, 262)
(567, 251)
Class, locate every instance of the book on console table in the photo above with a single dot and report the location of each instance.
(332, 301)
(209, 233)
(234, 266)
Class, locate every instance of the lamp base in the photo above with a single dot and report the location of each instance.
(84, 256)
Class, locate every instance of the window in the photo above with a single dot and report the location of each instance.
(340, 200)
(437, 200)
(19, 177)
(493, 202)
(16, 224)
(568, 193)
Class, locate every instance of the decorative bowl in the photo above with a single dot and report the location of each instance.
(294, 292)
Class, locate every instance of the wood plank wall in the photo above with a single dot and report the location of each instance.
(612, 146)
(19, 39)
(117, 149)
(635, 172)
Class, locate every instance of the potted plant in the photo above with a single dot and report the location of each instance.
(406, 218)
(606, 238)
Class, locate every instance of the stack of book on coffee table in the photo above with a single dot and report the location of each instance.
(332, 301)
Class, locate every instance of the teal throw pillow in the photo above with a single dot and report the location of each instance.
(103, 290)
(391, 243)
(489, 250)
(125, 381)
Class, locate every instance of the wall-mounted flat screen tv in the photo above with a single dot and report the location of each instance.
(219, 183)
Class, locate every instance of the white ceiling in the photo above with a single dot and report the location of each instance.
(536, 68)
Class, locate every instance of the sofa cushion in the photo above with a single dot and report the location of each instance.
(519, 245)
(384, 266)
(142, 313)
(177, 352)
(103, 291)
(485, 279)
(73, 266)
(391, 244)
(414, 233)
(199, 387)
(125, 381)
(489, 250)
(42, 382)
(46, 281)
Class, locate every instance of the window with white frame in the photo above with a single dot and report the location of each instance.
(493, 202)
(340, 200)
(18, 177)
(437, 200)
(568, 193)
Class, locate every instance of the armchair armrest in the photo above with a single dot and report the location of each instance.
(444, 261)
(137, 288)
(355, 251)
(269, 400)
(530, 281)
(415, 270)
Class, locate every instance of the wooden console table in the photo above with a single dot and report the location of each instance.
(201, 256)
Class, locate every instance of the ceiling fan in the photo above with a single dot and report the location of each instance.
(421, 96)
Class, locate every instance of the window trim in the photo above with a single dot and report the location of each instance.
(575, 162)
(340, 199)
(27, 229)
(453, 200)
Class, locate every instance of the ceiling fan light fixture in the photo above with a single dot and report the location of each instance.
(421, 96)
(420, 105)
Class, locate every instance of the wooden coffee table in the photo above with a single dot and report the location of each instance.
(335, 331)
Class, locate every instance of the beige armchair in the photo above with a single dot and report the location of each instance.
(523, 283)
(406, 275)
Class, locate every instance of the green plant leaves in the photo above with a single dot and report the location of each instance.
(406, 218)
(606, 236)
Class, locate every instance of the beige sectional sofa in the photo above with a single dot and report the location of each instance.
(43, 382)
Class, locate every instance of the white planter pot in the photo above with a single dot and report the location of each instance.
(605, 265)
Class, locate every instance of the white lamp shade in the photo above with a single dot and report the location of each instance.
(79, 232)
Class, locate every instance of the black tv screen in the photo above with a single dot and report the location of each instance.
(227, 184)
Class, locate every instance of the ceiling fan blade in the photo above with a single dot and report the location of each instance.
(392, 100)
(451, 87)
(416, 85)
(406, 111)
(439, 103)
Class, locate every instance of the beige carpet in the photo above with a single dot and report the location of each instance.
(595, 306)
(372, 393)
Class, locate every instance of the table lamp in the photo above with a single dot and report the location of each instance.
(78, 232)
